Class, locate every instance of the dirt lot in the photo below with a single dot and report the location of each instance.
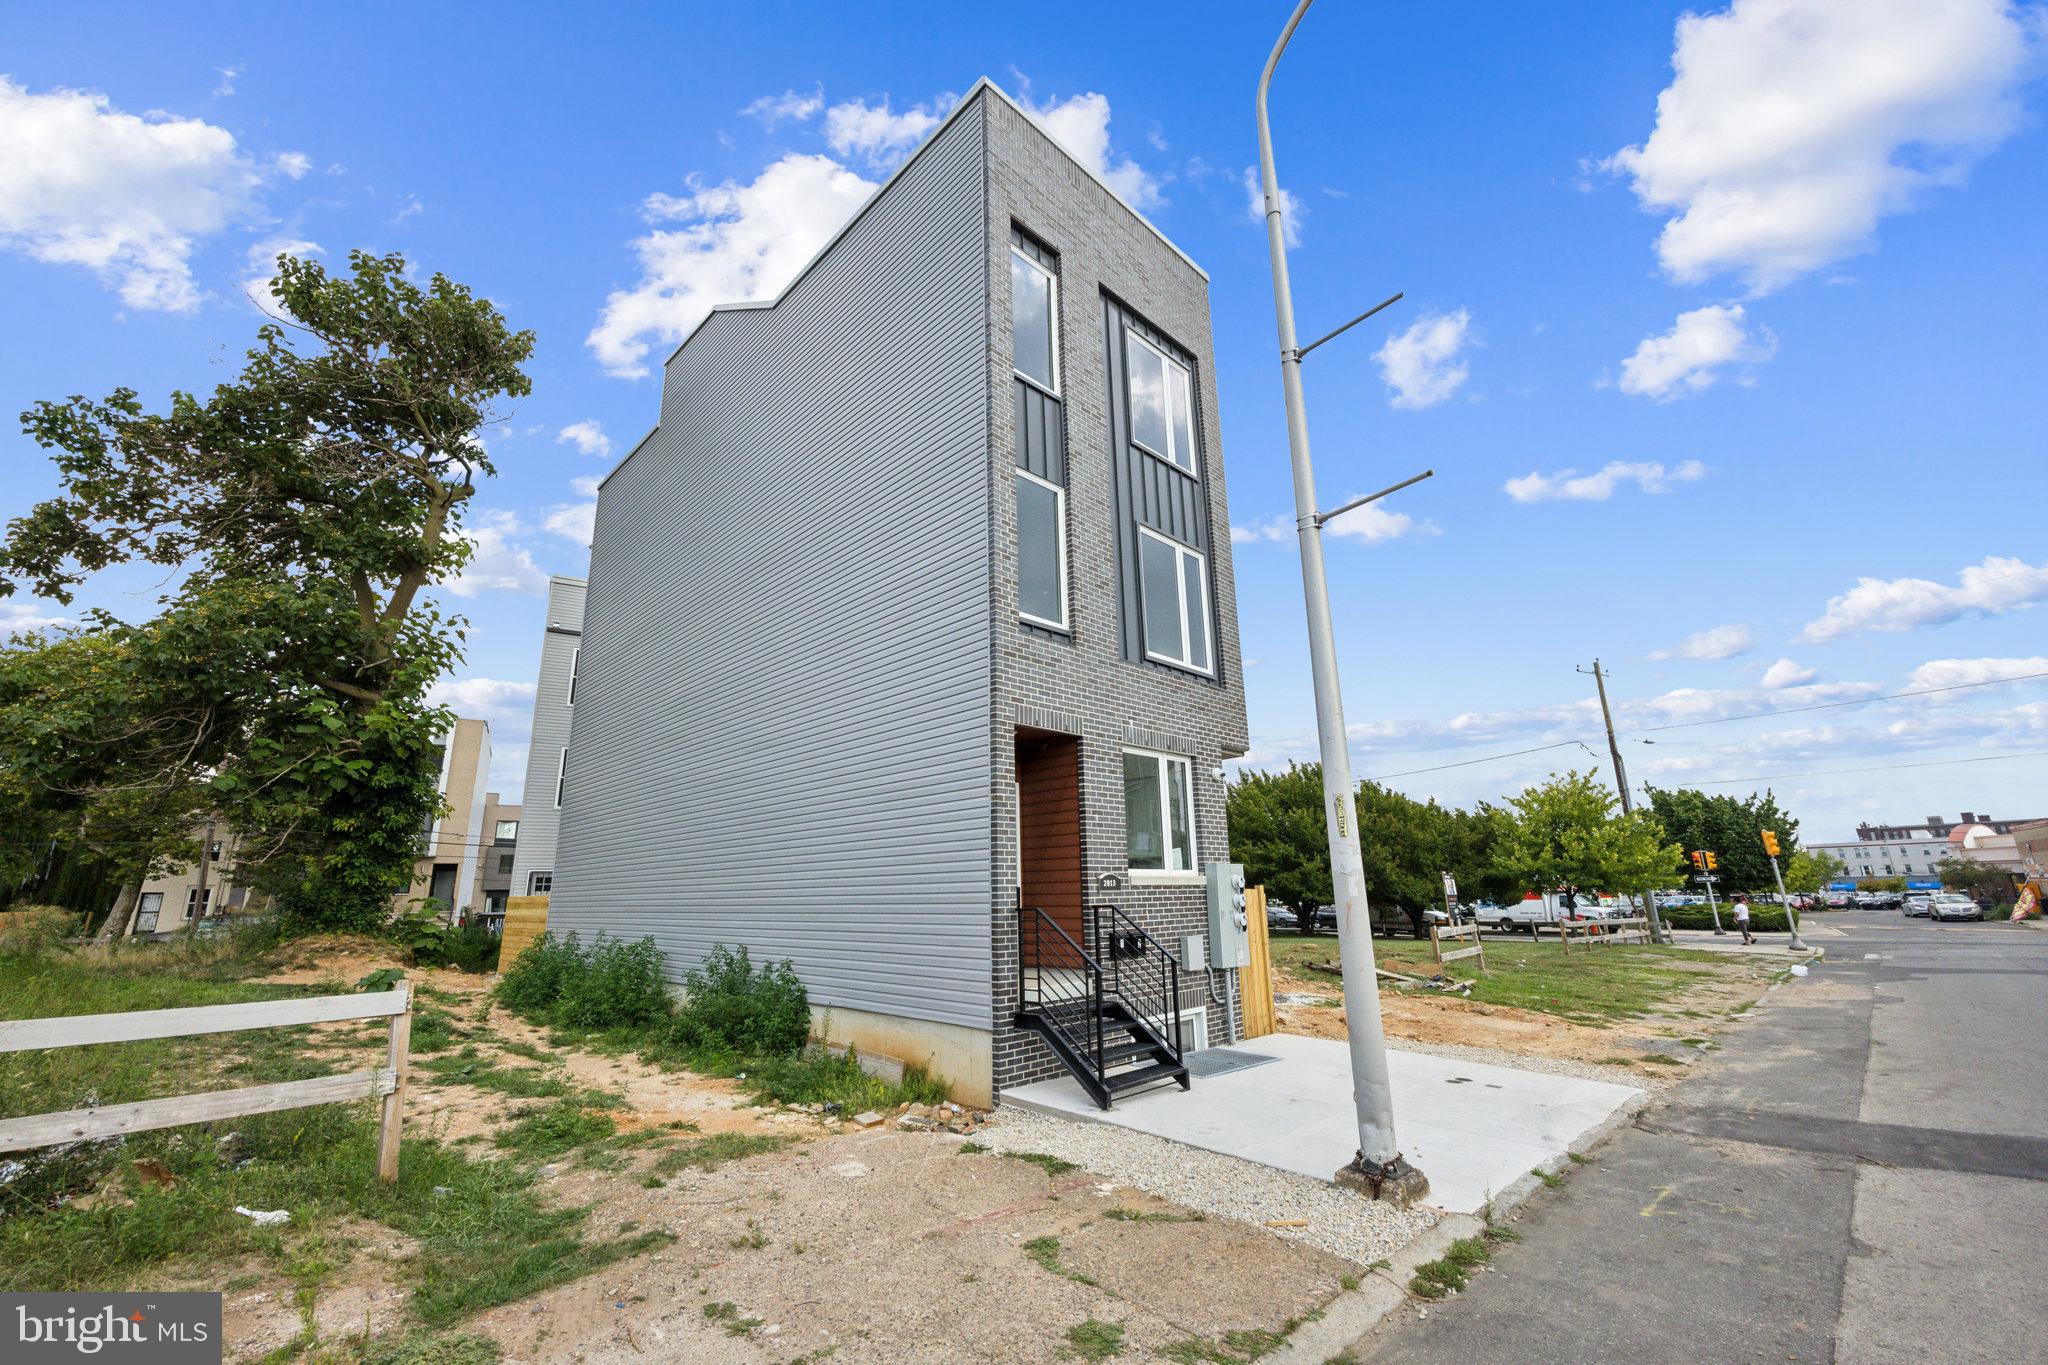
(867, 1245)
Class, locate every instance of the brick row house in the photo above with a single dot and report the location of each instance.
(910, 640)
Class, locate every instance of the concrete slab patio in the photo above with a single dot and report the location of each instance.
(1473, 1128)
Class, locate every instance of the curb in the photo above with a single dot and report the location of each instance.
(1356, 1312)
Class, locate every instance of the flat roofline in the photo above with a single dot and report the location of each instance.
(979, 86)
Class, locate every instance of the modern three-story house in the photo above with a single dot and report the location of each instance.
(910, 636)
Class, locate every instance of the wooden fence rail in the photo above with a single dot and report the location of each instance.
(1635, 929)
(1439, 934)
(113, 1120)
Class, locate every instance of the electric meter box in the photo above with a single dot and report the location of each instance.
(1228, 945)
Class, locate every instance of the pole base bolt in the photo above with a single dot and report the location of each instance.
(1396, 1182)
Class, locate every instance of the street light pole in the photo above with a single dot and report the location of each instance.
(1798, 944)
(1658, 934)
(1379, 1167)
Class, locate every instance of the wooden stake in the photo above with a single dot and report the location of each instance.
(394, 1103)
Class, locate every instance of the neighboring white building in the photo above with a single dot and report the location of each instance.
(1916, 850)
(554, 703)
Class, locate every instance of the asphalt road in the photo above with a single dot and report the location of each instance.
(1861, 1175)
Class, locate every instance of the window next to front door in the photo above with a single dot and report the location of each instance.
(1159, 806)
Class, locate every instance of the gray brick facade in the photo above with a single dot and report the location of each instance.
(1081, 684)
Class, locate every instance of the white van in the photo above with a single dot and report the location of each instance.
(1548, 908)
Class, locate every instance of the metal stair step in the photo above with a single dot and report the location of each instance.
(1144, 1075)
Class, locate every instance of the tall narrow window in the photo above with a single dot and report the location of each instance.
(1173, 583)
(561, 775)
(1041, 551)
(1159, 829)
(1034, 321)
(1162, 412)
(575, 666)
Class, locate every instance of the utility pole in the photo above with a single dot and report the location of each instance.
(1378, 1169)
(1657, 932)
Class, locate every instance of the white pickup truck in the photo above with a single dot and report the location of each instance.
(1548, 908)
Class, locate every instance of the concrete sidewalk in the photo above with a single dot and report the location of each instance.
(1817, 936)
(1474, 1129)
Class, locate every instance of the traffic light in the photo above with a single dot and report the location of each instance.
(1699, 861)
(1771, 842)
(1713, 861)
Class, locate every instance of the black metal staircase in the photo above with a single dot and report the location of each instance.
(1110, 1011)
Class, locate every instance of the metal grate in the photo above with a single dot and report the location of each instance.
(1221, 1061)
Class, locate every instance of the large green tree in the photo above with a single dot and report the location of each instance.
(1568, 833)
(310, 505)
(1731, 827)
(1975, 878)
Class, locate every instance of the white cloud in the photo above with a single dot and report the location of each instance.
(1792, 126)
(262, 258)
(1720, 642)
(17, 616)
(1995, 586)
(1371, 523)
(732, 243)
(293, 164)
(587, 436)
(773, 109)
(878, 134)
(1690, 357)
(1571, 486)
(492, 699)
(1081, 125)
(1787, 673)
(128, 197)
(500, 563)
(1970, 672)
(575, 521)
(1291, 211)
(1422, 365)
(225, 86)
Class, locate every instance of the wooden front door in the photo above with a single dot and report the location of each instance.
(1049, 826)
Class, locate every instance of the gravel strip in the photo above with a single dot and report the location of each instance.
(1550, 1066)
(1339, 1222)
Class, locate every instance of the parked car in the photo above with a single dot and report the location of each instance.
(1916, 904)
(1946, 905)
(1841, 900)
(1534, 909)
(1279, 916)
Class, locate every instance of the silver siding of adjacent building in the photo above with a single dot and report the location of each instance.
(782, 730)
(539, 819)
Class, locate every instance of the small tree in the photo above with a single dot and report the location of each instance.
(1807, 871)
(1978, 880)
(310, 503)
(1277, 831)
(1567, 833)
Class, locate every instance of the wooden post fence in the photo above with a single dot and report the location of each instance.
(1255, 984)
(1439, 934)
(171, 1111)
(1635, 929)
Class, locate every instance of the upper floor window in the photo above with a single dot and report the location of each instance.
(561, 775)
(1034, 321)
(1162, 410)
(1173, 586)
(1041, 551)
(575, 666)
(508, 829)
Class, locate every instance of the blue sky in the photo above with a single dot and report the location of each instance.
(1731, 378)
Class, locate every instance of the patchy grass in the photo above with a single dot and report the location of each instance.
(1046, 1252)
(1595, 987)
(1122, 1215)
(709, 1153)
(1094, 1340)
(561, 1127)
(1052, 1165)
(1453, 1270)
(728, 1316)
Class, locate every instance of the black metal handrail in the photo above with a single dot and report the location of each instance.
(1155, 974)
(1039, 953)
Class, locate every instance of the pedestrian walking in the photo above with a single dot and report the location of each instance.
(1742, 919)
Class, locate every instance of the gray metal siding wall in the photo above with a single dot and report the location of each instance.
(540, 821)
(782, 736)
(1084, 684)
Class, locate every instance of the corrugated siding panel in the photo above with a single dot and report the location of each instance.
(783, 722)
(1041, 433)
(539, 821)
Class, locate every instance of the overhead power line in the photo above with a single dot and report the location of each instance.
(1879, 768)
